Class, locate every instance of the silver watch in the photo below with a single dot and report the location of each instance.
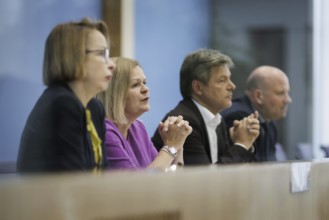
(171, 150)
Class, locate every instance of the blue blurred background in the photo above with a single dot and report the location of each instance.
(252, 32)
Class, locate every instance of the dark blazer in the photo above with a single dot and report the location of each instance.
(265, 143)
(55, 136)
(196, 146)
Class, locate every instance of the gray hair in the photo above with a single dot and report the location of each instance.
(198, 65)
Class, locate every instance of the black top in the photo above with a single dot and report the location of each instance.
(55, 136)
(196, 146)
(265, 143)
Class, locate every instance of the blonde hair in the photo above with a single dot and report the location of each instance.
(65, 50)
(114, 98)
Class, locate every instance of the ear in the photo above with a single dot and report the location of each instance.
(258, 96)
(197, 87)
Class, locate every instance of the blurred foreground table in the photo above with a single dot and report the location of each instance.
(248, 191)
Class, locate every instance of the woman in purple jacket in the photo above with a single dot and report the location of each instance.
(128, 145)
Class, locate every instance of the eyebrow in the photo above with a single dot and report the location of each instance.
(223, 77)
(138, 79)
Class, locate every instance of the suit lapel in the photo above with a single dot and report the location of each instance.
(190, 104)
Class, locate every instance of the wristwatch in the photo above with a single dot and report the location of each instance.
(170, 150)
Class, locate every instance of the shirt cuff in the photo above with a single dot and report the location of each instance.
(252, 149)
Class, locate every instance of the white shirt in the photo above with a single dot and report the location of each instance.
(211, 121)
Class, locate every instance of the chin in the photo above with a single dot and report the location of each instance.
(105, 86)
(102, 88)
(227, 105)
(143, 110)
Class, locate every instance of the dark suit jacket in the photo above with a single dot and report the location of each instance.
(55, 137)
(265, 143)
(196, 146)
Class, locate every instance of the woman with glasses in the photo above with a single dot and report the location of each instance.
(65, 130)
(127, 143)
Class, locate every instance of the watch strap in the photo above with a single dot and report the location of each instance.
(168, 151)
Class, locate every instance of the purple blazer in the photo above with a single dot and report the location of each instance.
(137, 151)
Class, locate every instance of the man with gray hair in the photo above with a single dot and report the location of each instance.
(268, 93)
(206, 87)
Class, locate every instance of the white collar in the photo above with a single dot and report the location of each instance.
(209, 118)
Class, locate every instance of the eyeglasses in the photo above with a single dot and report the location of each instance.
(103, 52)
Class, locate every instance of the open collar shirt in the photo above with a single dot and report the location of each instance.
(212, 121)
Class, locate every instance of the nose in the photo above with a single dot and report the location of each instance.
(111, 65)
(145, 89)
(232, 85)
(288, 99)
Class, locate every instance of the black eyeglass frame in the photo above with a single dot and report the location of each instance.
(104, 52)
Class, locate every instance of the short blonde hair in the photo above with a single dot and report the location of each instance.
(114, 98)
(65, 50)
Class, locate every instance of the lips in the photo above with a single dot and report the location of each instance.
(109, 77)
(145, 99)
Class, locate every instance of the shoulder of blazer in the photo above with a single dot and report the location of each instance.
(66, 97)
(61, 92)
(193, 115)
(189, 111)
(96, 106)
(54, 99)
(241, 107)
(242, 102)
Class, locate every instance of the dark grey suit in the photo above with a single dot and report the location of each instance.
(265, 143)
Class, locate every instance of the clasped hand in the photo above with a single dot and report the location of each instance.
(174, 130)
(246, 130)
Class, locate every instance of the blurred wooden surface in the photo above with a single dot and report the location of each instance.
(255, 192)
